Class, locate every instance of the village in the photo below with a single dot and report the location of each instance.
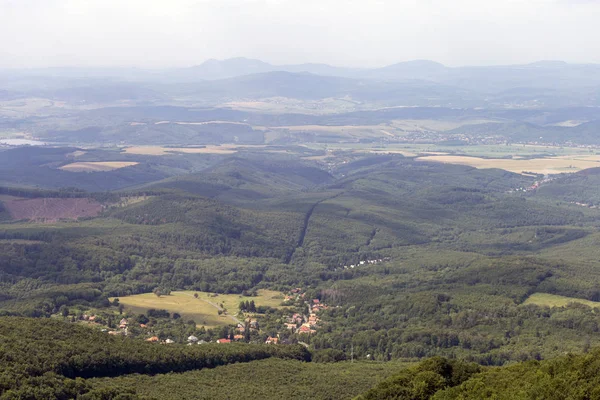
(296, 319)
(535, 186)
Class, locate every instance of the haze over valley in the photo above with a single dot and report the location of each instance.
(328, 224)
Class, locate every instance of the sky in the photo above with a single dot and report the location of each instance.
(357, 33)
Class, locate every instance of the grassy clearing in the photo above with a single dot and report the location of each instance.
(550, 165)
(204, 310)
(552, 300)
(99, 166)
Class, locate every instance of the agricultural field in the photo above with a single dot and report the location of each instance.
(549, 165)
(487, 151)
(290, 105)
(96, 166)
(421, 125)
(552, 300)
(51, 209)
(204, 310)
(161, 151)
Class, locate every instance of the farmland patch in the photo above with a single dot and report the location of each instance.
(549, 165)
(204, 309)
(52, 209)
(99, 166)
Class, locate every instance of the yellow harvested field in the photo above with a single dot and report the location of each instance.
(204, 310)
(550, 165)
(77, 153)
(552, 300)
(100, 166)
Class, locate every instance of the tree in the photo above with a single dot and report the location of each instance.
(247, 332)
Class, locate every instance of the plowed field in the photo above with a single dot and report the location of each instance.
(52, 209)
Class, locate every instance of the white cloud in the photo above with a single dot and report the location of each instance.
(159, 33)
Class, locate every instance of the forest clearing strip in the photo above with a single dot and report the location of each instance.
(309, 214)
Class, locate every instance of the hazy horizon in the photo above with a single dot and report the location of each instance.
(358, 67)
(155, 34)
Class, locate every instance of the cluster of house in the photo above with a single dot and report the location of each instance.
(123, 325)
(577, 203)
(155, 339)
(90, 318)
(297, 323)
(306, 324)
(536, 185)
(365, 262)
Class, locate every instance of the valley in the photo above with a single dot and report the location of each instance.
(286, 233)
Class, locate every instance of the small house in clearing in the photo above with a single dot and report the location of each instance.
(272, 340)
(223, 341)
(192, 339)
(152, 339)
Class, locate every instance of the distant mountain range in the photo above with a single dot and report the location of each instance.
(552, 74)
(526, 75)
(413, 83)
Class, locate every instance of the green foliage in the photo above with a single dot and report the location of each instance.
(567, 377)
(270, 379)
(36, 354)
(423, 381)
(459, 254)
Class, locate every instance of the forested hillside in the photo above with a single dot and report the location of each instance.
(408, 259)
(566, 377)
(51, 359)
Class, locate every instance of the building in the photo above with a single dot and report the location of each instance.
(272, 340)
